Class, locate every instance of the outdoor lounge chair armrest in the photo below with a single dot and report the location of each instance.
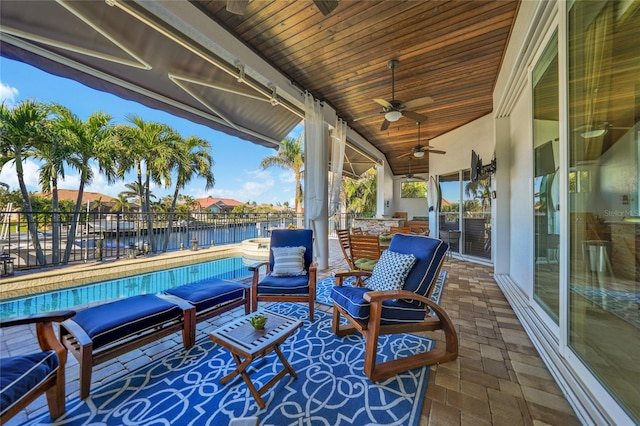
(380, 296)
(54, 316)
(181, 303)
(359, 274)
(255, 268)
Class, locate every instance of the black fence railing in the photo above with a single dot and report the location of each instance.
(106, 236)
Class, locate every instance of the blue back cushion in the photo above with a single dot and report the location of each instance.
(429, 253)
(293, 238)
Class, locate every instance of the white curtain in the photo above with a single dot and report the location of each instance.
(313, 147)
(315, 179)
(338, 142)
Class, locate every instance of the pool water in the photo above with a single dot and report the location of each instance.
(149, 283)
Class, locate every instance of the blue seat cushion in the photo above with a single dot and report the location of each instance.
(126, 317)
(351, 299)
(205, 294)
(20, 374)
(284, 285)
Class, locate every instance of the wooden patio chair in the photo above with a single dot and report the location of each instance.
(345, 245)
(365, 251)
(396, 300)
(290, 271)
(399, 230)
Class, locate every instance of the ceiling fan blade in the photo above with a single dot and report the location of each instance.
(383, 102)
(404, 155)
(415, 116)
(385, 125)
(326, 6)
(436, 151)
(419, 102)
(364, 117)
(238, 7)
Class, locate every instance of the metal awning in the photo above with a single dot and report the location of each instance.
(123, 49)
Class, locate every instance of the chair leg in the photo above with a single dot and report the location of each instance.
(56, 395)
(371, 336)
(335, 322)
(312, 306)
(86, 368)
(247, 301)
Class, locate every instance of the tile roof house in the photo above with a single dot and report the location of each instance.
(218, 205)
(87, 196)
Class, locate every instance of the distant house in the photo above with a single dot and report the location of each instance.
(217, 205)
(87, 197)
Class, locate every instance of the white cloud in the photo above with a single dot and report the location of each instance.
(287, 177)
(30, 169)
(8, 95)
(255, 189)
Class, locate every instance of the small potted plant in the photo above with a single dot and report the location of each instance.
(258, 321)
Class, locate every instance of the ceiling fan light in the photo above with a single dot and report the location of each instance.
(418, 154)
(593, 133)
(393, 115)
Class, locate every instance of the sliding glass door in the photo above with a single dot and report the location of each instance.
(604, 194)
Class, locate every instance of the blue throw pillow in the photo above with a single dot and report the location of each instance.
(391, 271)
(288, 261)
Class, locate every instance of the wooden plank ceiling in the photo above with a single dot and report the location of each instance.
(450, 51)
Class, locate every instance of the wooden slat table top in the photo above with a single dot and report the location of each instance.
(241, 337)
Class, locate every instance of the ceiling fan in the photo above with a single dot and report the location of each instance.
(395, 109)
(418, 151)
(410, 177)
(239, 7)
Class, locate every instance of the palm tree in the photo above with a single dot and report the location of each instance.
(53, 152)
(290, 156)
(20, 129)
(360, 194)
(121, 204)
(88, 140)
(190, 158)
(480, 190)
(134, 192)
(148, 146)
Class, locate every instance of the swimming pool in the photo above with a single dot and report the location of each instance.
(153, 282)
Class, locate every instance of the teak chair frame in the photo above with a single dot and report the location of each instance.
(435, 319)
(54, 386)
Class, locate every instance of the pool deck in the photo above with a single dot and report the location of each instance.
(498, 379)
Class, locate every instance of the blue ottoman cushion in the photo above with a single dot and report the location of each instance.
(207, 293)
(113, 321)
(22, 373)
(351, 299)
(284, 285)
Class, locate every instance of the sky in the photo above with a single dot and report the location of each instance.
(237, 170)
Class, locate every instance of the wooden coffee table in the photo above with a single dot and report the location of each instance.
(247, 344)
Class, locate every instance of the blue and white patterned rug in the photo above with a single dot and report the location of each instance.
(323, 288)
(331, 388)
